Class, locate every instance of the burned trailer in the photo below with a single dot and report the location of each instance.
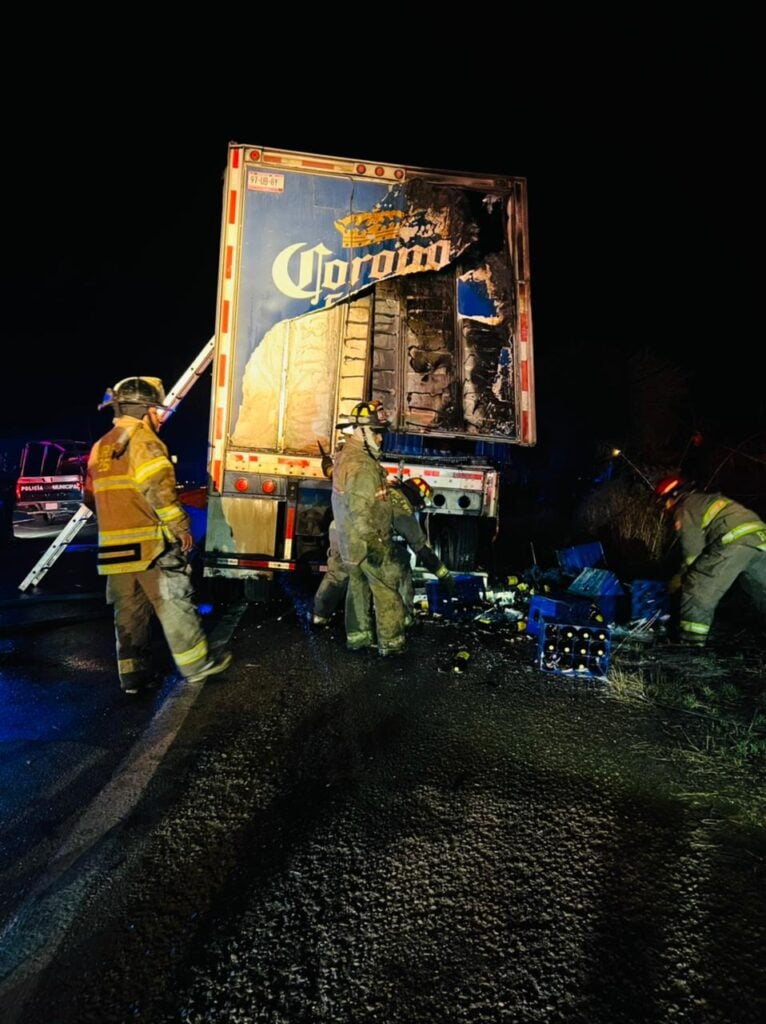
(340, 281)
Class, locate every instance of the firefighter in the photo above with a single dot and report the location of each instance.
(407, 497)
(362, 511)
(144, 539)
(332, 589)
(721, 541)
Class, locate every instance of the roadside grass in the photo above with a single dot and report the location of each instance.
(718, 728)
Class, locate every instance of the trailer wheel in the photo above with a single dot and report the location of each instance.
(455, 539)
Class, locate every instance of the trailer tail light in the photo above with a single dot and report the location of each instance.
(268, 487)
(240, 485)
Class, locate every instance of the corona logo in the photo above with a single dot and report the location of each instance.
(302, 273)
(360, 230)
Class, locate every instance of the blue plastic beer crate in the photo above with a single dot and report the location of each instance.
(470, 592)
(558, 609)
(572, 560)
(648, 598)
(605, 590)
(571, 649)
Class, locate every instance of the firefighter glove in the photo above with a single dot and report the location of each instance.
(429, 559)
(447, 580)
(675, 583)
(376, 552)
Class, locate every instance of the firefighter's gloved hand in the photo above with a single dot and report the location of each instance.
(447, 580)
(675, 583)
(376, 553)
(429, 559)
(327, 466)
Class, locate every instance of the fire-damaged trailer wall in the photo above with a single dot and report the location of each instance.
(342, 281)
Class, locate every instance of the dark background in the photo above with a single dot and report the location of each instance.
(645, 252)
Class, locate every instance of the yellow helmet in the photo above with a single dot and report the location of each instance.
(365, 414)
(417, 490)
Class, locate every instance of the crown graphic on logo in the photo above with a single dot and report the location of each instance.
(362, 229)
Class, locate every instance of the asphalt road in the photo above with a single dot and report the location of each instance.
(328, 836)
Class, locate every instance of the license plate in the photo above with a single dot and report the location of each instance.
(51, 506)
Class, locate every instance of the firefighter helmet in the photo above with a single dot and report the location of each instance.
(365, 414)
(671, 488)
(417, 490)
(142, 391)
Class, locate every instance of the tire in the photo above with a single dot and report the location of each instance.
(455, 539)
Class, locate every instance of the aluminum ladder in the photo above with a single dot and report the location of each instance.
(180, 389)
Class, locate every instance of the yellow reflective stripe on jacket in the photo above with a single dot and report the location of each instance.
(112, 570)
(109, 537)
(695, 627)
(712, 511)
(193, 654)
(743, 530)
(170, 512)
(151, 467)
(113, 483)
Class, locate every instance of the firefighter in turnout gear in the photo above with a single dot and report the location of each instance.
(144, 538)
(406, 498)
(721, 541)
(362, 512)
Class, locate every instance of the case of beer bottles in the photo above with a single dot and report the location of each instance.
(562, 608)
(470, 593)
(573, 649)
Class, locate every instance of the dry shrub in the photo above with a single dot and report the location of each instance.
(625, 516)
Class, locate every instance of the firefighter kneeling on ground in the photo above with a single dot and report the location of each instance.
(721, 541)
(407, 498)
(144, 537)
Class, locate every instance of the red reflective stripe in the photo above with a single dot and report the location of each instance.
(218, 423)
(524, 327)
(524, 375)
(217, 474)
(221, 370)
(225, 317)
(524, 424)
(229, 260)
(233, 206)
(235, 158)
(290, 524)
(251, 563)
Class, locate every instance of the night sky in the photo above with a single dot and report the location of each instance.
(640, 235)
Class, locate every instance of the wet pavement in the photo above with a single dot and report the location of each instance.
(335, 836)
